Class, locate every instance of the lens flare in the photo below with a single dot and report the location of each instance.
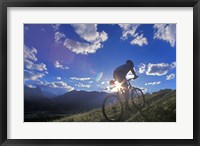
(118, 85)
(99, 76)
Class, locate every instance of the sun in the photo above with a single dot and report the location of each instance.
(118, 85)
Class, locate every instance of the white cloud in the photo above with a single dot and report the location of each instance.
(81, 48)
(82, 85)
(129, 30)
(173, 64)
(58, 78)
(152, 83)
(90, 82)
(89, 33)
(159, 69)
(58, 36)
(38, 82)
(165, 32)
(59, 84)
(129, 75)
(142, 68)
(33, 66)
(80, 79)
(139, 40)
(29, 85)
(170, 77)
(31, 72)
(56, 26)
(58, 65)
(103, 83)
(30, 59)
(30, 53)
(144, 90)
(30, 75)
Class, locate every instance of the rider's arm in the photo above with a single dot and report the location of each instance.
(134, 73)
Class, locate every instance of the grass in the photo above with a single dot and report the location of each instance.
(163, 111)
(160, 107)
(92, 116)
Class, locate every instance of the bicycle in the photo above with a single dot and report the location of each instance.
(113, 104)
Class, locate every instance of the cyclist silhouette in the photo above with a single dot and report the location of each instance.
(119, 75)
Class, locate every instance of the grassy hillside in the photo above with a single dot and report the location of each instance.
(162, 110)
(160, 107)
(92, 116)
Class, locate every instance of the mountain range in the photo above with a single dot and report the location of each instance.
(70, 102)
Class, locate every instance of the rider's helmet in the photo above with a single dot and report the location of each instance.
(130, 62)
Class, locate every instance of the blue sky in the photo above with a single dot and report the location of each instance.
(60, 58)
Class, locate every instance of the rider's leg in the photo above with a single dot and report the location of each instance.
(121, 78)
(124, 84)
(126, 94)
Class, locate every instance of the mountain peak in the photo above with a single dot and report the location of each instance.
(33, 92)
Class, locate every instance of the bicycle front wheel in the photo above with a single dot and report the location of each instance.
(112, 108)
(137, 98)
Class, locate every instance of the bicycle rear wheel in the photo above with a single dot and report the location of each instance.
(112, 108)
(137, 98)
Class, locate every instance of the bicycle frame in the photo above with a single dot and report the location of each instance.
(129, 84)
(120, 91)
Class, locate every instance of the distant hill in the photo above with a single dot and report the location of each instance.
(49, 94)
(33, 92)
(35, 100)
(70, 102)
(76, 101)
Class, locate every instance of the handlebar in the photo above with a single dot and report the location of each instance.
(131, 79)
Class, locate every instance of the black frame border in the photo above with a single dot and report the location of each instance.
(98, 3)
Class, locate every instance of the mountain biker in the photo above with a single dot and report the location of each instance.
(119, 75)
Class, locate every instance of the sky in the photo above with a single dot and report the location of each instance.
(60, 58)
